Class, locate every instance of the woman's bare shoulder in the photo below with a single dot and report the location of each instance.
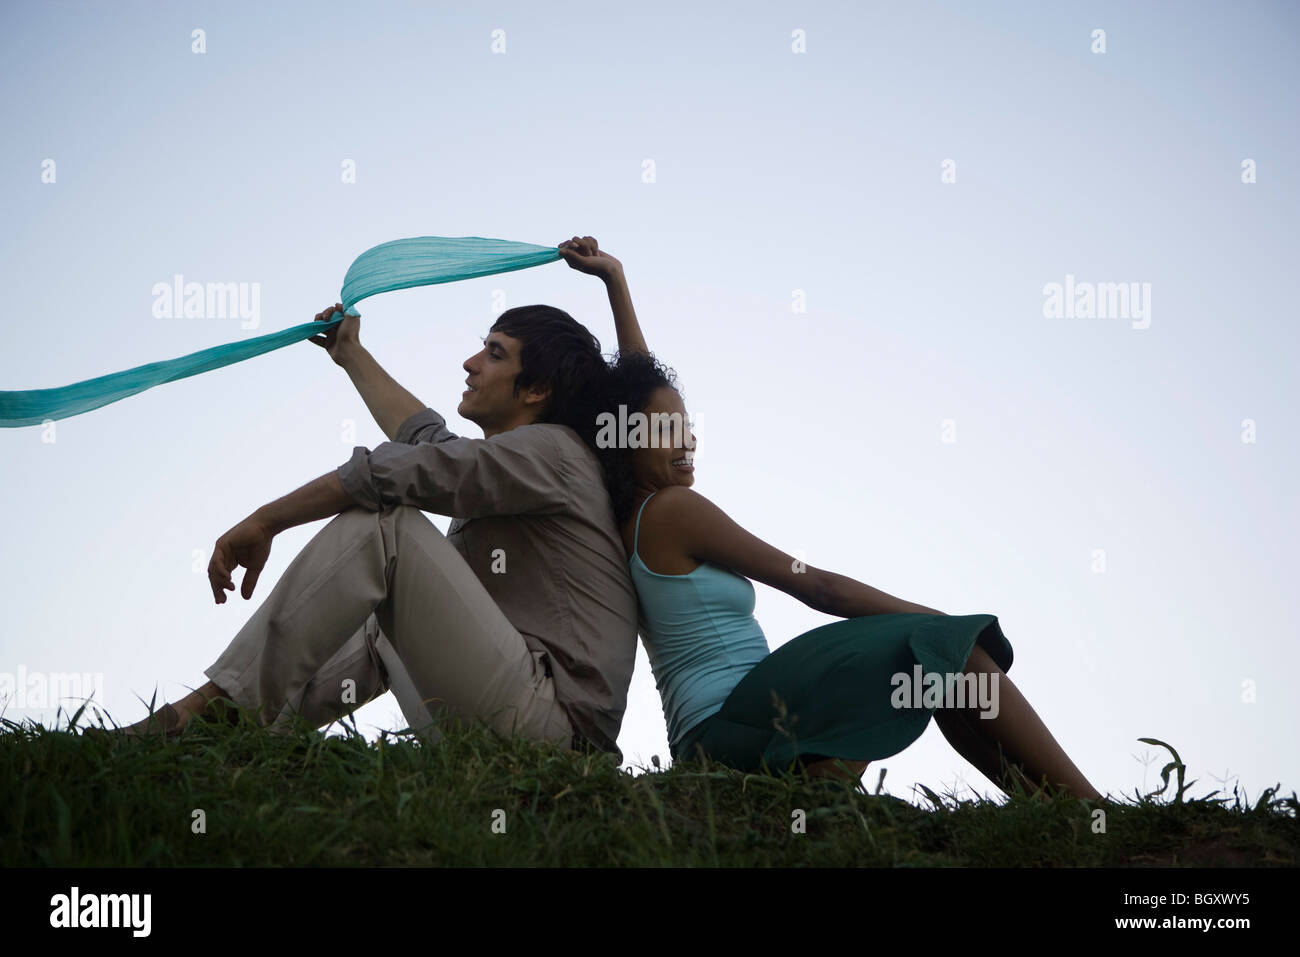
(666, 528)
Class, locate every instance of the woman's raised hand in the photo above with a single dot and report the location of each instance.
(584, 255)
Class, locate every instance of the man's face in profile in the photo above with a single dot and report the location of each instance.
(489, 401)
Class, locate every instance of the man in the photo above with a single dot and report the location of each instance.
(523, 616)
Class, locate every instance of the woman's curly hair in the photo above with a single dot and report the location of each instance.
(560, 352)
(634, 377)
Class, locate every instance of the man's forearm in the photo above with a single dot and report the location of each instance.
(389, 403)
(320, 498)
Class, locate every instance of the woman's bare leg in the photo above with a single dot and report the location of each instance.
(1017, 730)
(981, 751)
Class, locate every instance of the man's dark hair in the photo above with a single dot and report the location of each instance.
(560, 352)
(634, 377)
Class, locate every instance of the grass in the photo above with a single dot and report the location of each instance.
(237, 795)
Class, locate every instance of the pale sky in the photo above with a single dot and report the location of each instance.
(838, 223)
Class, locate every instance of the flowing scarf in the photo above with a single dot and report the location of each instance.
(400, 264)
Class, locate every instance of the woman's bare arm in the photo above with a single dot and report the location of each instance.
(584, 255)
(630, 337)
(708, 534)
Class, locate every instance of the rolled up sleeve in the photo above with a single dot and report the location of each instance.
(517, 472)
(424, 426)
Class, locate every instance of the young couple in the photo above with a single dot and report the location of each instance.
(525, 615)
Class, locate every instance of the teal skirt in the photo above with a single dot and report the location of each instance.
(834, 692)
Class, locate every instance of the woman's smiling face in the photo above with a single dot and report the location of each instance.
(668, 427)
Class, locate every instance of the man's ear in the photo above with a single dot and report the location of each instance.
(536, 396)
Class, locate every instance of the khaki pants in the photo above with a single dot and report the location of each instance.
(381, 601)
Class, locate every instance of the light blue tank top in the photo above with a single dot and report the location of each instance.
(700, 635)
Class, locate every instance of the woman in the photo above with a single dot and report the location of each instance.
(828, 700)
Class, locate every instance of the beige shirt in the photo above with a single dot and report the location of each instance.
(535, 492)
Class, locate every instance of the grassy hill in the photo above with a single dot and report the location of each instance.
(237, 795)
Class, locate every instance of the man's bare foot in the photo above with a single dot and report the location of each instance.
(165, 721)
(171, 718)
(203, 702)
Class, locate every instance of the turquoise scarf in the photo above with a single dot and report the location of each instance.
(400, 264)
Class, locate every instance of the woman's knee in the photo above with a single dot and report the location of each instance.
(980, 661)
